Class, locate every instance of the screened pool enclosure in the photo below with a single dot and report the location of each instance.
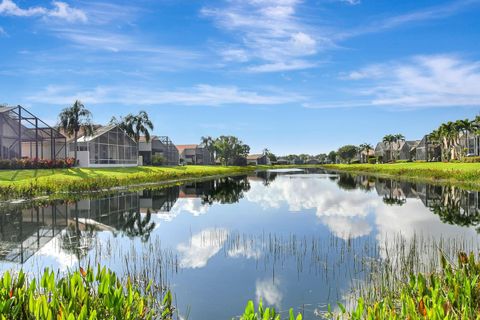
(108, 146)
(23, 135)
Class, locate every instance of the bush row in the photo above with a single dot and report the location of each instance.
(36, 164)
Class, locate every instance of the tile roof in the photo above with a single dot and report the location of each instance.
(254, 156)
(182, 147)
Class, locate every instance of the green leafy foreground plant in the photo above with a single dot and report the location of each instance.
(265, 314)
(79, 295)
(453, 293)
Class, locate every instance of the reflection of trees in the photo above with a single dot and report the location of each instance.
(457, 207)
(346, 182)
(393, 200)
(267, 176)
(227, 190)
(136, 226)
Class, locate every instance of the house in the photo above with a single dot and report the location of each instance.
(258, 159)
(363, 155)
(427, 150)
(158, 146)
(312, 161)
(194, 154)
(23, 135)
(108, 146)
(282, 161)
(400, 150)
(297, 161)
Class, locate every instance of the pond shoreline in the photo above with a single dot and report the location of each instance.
(53, 184)
(462, 175)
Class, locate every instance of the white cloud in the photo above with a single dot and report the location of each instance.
(202, 94)
(269, 32)
(201, 248)
(269, 291)
(423, 81)
(351, 2)
(63, 11)
(3, 32)
(60, 10)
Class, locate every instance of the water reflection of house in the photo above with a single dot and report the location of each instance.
(24, 231)
(107, 212)
(158, 201)
(196, 189)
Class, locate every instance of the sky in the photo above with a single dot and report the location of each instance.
(289, 75)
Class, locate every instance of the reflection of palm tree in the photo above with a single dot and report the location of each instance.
(76, 242)
(135, 226)
(451, 211)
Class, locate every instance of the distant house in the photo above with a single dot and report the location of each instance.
(158, 146)
(312, 161)
(297, 161)
(282, 161)
(258, 159)
(109, 146)
(428, 151)
(402, 150)
(22, 135)
(194, 154)
(363, 156)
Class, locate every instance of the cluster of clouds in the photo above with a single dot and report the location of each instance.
(422, 81)
(201, 94)
(269, 34)
(59, 10)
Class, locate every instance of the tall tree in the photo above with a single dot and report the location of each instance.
(209, 144)
(389, 140)
(365, 147)
(135, 125)
(347, 153)
(74, 119)
(228, 148)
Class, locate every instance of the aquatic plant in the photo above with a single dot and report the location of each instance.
(452, 293)
(265, 313)
(83, 294)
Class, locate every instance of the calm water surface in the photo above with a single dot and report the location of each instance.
(295, 239)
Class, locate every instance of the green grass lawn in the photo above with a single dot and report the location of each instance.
(30, 183)
(8, 177)
(466, 174)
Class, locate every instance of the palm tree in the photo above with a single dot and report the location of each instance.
(366, 147)
(74, 119)
(209, 144)
(398, 138)
(389, 139)
(136, 125)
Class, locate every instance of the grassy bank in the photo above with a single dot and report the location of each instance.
(31, 183)
(463, 174)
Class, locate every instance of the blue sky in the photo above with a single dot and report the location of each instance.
(294, 76)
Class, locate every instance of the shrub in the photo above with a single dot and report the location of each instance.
(403, 161)
(28, 163)
(372, 160)
(79, 295)
(355, 161)
(158, 160)
(472, 159)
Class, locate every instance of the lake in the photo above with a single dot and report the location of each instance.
(300, 238)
